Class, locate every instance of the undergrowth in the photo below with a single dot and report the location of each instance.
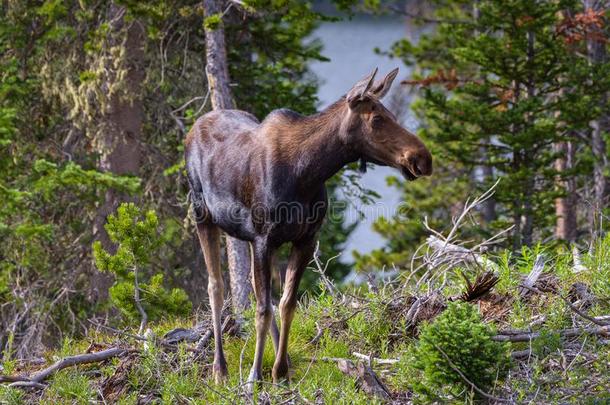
(424, 351)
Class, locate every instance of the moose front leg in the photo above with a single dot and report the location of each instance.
(261, 282)
(300, 255)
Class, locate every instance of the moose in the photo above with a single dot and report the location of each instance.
(243, 172)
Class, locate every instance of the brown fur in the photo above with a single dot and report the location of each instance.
(243, 173)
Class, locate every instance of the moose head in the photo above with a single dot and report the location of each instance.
(377, 134)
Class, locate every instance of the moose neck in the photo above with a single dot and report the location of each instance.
(323, 148)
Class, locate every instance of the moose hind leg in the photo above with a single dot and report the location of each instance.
(274, 331)
(300, 255)
(261, 282)
(209, 238)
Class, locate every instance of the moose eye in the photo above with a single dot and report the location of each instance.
(377, 120)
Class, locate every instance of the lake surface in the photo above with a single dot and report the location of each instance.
(350, 46)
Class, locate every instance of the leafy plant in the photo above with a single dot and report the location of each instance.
(456, 342)
(136, 234)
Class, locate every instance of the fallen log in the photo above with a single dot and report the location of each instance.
(36, 379)
(366, 379)
(371, 359)
(526, 336)
(27, 384)
(521, 354)
(533, 276)
(12, 378)
(76, 360)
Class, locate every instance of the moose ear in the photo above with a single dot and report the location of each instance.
(358, 92)
(383, 87)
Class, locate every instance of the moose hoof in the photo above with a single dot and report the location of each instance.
(280, 374)
(220, 373)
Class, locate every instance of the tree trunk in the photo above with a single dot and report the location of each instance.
(596, 50)
(488, 207)
(515, 166)
(118, 142)
(565, 207)
(528, 211)
(217, 72)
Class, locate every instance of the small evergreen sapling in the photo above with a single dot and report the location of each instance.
(137, 238)
(456, 340)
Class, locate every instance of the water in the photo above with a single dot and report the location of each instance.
(350, 45)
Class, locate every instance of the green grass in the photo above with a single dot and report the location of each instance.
(11, 396)
(558, 370)
(69, 387)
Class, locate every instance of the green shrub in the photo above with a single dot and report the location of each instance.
(136, 235)
(456, 340)
(548, 342)
(157, 300)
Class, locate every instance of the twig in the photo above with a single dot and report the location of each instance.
(322, 270)
(318, 335)
(445, 253)
(145, 339)
(202, 343)
(458, 253)
(241, 360)
(326, 359)
(577, 354)
(573, 307)
(118, 331)
(183, 106)
(76, 360)
(372, 359)
(581, 313)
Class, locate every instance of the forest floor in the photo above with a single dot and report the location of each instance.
(355, 345)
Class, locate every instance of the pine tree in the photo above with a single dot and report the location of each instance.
(64, 65)
(136, 234)
(500, 84)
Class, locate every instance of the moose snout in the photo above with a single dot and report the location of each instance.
(419, 163)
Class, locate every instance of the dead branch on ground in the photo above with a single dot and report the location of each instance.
(533, 276)
(36, 379)
(366, 379)
(526, 336)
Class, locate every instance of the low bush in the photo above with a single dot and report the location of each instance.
(454, 348)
